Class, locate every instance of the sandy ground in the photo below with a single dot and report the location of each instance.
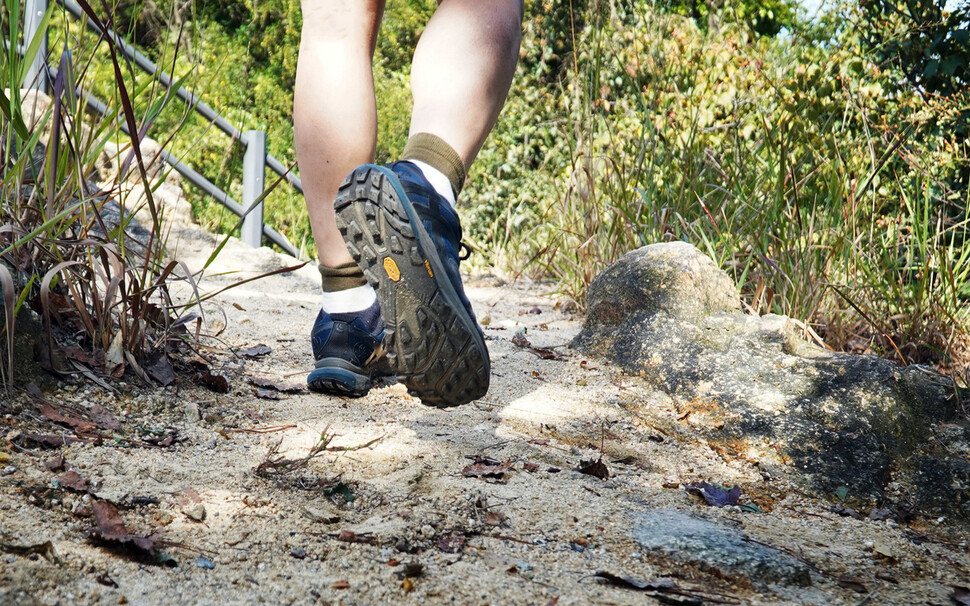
(406, 519)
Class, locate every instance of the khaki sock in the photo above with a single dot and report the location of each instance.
(344, 277)
(434, 151)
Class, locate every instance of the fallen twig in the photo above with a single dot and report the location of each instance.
(505, 537)
(274, 463)
(270, 429)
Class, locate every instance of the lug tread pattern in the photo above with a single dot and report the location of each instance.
(433, 350)
(339, 387)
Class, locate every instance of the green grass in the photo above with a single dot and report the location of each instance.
(99, 291)
(805, 172)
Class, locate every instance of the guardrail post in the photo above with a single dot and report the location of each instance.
(36, 76)
(254, 174)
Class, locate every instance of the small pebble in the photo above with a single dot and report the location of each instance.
(195, 512)
(298, 553)
(206, 563)
(319, 515)
(192, 414)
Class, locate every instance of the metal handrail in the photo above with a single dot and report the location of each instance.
(253, 227)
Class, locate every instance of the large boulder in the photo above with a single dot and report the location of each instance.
(754, 386)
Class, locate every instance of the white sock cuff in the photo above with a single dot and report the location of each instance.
(354, 299)
(438, 180)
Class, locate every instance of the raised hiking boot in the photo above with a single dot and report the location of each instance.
(406, 237)
(348, 356)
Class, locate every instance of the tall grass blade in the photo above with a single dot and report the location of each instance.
(6, 281)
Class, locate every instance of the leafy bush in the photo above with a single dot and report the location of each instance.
(814, 176)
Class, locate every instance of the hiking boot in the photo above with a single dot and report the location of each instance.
(406, 237)
(348, 355)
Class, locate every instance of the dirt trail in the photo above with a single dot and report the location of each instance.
(427, 522)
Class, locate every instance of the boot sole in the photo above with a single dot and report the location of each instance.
(339, 378)
(433, 343)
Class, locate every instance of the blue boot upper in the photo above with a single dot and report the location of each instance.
(439, 219)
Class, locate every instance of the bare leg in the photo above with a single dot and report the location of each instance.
(334, 111)
(462, 71)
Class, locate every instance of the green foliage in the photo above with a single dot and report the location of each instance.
(812, 175)
(766, 18)
(66, 248)
(929, 47)
(924, 41)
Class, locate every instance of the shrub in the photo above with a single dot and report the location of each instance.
(68, 249)
(811, 174)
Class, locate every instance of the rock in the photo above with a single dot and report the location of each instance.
(195, 512)
(117, 153)
(695, 541)
(192, 414)
(323, 514)
(384, 528)
(830, 420)
(27, 338)
(674, 279)
(35, 104)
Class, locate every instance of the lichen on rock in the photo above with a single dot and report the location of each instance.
(667, 313)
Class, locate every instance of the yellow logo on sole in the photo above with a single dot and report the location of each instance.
(428, 267)
(392, 270)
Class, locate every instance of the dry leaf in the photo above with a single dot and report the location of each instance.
(255, 351)
(520, 340)
(594, 468)
(72, 480)
(282, 387)
(77, 423)
(103, 418)
(50, 441)
(110, 531)
(453, 542)
(485, 467)
(159, 367)
(216, 383)
(114, 358)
